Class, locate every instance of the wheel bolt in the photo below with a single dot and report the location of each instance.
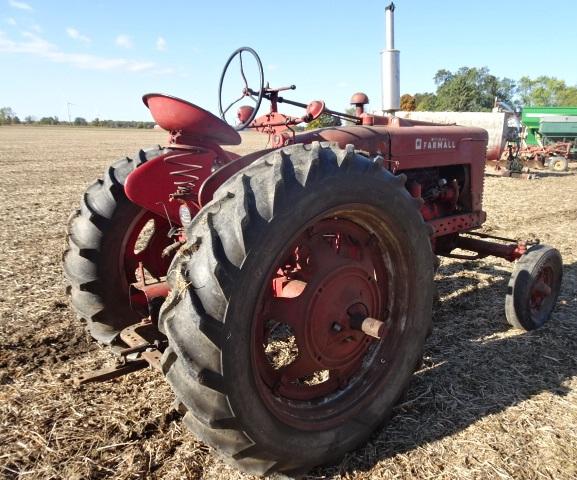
(337, 327)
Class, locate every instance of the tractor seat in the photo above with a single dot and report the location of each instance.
(177, 115)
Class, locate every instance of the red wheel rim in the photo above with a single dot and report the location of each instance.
(144, 249)
(312, 373)
(541, 290)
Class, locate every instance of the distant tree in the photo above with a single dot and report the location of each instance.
(546, 91)
(408, 103)
(471, 89)
(49, 121)
(425, 102)
(325, 120)
(350, 111)
(466, 90)
(6, 115)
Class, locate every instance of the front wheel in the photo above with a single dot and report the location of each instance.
(534, 287)
(266, 354)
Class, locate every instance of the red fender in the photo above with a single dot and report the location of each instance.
(152, 184)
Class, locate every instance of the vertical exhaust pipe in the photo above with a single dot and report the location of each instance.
(390, 66)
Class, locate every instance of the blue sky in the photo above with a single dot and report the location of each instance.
(101, 56)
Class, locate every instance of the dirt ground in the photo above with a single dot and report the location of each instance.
(490, 402)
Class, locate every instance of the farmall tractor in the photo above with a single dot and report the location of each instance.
(286, 295)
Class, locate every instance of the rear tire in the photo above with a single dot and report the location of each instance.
(534, 287)
(219, 279)
(94, 260)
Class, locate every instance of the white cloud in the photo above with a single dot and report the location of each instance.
(124, 41)
(271, 66)
(20, 5)
(161, 44)
(76, 35)
(11, 21)
(37, 46)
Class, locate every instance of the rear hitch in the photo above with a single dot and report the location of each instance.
(145, 347)
(106, 374)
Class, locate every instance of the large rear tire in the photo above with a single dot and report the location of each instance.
(101, 256)
(360, 242)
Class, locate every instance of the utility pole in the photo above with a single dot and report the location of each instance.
(68, 105)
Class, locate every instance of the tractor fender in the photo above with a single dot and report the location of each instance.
(369, 139)
(375, 140)
(211, 184)
(152, 184)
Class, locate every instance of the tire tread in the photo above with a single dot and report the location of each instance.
(202, 277)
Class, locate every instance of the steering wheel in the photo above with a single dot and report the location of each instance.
(246, 91)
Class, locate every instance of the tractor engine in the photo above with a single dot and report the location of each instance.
(443, 190)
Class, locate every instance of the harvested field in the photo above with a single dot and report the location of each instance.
(489, 402)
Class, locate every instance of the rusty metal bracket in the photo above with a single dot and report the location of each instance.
(106, 374)
(144, 341)
(143, 338)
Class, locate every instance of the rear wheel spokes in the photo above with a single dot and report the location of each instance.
(331, 269)
(317, 254)
(333, 250)
(291, 376)
(321, 252)
(302, 367)
(288, 311)
(148, 256)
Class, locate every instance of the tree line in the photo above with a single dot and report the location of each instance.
(8, 117)
(468, 89)
(475, 90)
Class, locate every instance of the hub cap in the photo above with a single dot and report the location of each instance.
(540, 291)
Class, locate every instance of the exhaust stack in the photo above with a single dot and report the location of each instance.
(390, 66)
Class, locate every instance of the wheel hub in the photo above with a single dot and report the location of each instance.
(541, 289)
(330, 274)
(332, 341)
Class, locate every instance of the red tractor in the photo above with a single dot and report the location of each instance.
(287, 294)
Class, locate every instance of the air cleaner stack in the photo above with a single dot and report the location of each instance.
(391, 93)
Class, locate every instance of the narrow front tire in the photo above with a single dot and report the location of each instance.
(534, 287)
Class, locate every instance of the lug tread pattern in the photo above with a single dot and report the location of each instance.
(86, 228)
(203, 273)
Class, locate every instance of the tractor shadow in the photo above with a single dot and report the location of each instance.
(474, 365)
(540, 173)
(549, 173)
